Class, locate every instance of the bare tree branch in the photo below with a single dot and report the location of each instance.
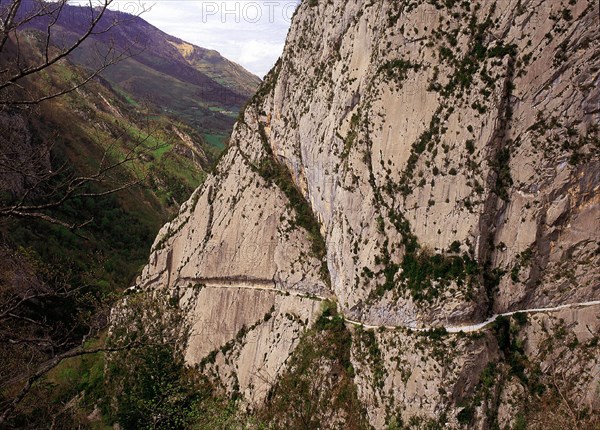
(51, 364)
(95, 73)
(48, 184)
(96, 26)
(7, 26)
(76, 186)
(65, 52)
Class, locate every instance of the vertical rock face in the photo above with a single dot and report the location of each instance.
(423, 164)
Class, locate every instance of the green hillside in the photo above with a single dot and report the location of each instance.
(173, 126)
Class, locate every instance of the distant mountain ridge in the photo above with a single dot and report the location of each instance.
(197, 85)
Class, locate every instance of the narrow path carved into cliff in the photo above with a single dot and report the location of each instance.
(477, 327)
(469, 328)
(247, 284)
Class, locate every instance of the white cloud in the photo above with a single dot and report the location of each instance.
(251, 33)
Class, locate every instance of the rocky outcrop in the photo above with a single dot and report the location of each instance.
(422, 164)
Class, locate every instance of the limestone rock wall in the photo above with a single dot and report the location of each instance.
(421, 163)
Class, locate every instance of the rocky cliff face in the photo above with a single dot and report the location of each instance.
(422, 164)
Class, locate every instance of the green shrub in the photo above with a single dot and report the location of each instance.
(455, 246)
(317, 382)
(470, 144)
(149, 384)
(398, 69)
(466, 415)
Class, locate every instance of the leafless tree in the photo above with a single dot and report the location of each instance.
(44, 187)
(18, 65)
(31, 341)
(33, 345)
(34, 186)
(38, 186)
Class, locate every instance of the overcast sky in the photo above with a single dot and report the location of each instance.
(251, 33)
